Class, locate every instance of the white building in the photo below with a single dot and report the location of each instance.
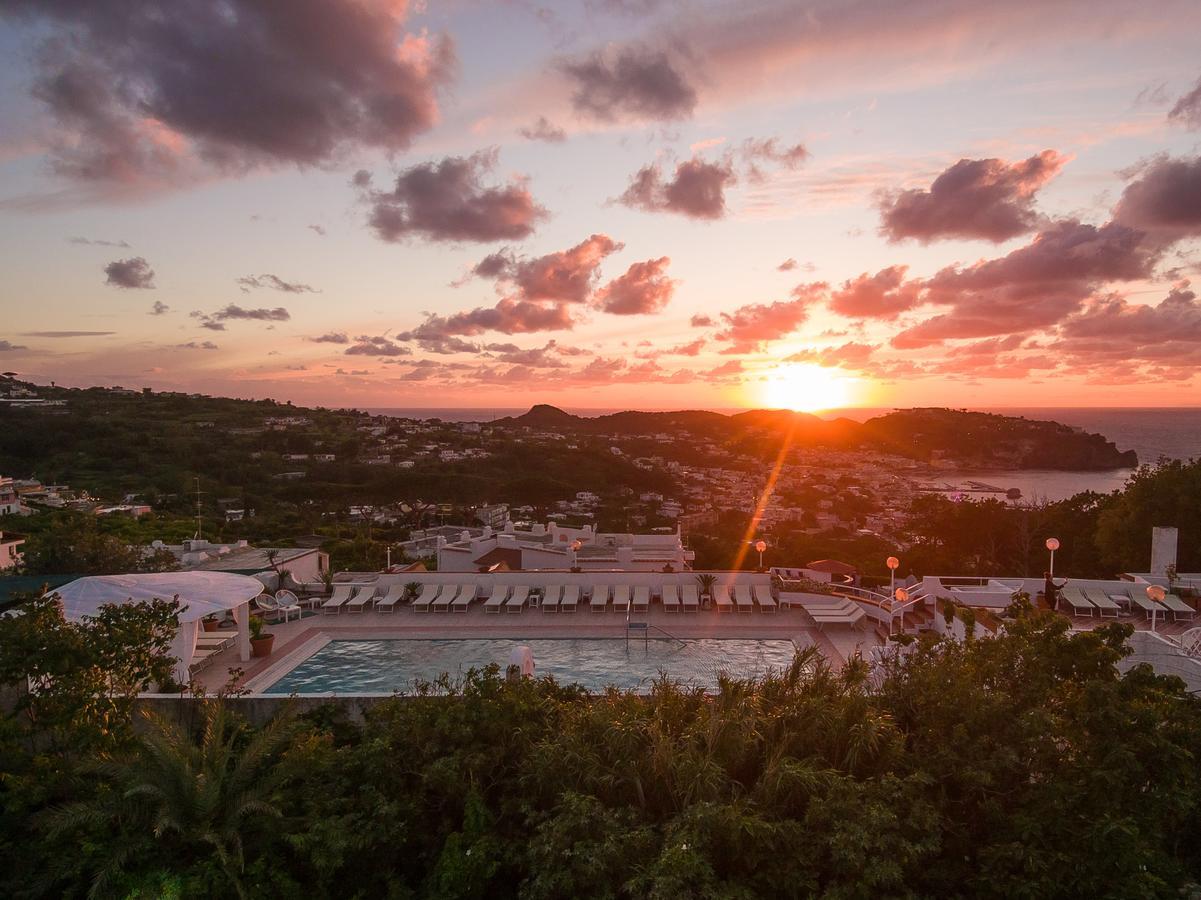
(10, 501)
(10, 549)
(555, 546)
(304, 565)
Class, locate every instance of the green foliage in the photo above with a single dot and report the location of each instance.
(1162, 495)
(1099, 535)
(177, 799)
(84, 676)
(70, 543)
(1022, 765)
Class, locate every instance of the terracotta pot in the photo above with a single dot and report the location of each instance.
(210, 624)
(262, 646)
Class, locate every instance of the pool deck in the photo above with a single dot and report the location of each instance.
(298, 639)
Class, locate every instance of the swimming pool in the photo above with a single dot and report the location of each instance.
(385, 666)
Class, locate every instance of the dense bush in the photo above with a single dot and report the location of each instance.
(1017, 766)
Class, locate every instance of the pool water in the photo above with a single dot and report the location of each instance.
(395, 665)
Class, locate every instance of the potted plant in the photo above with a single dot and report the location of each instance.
(210, 622)
(261, 642)
(707, 583)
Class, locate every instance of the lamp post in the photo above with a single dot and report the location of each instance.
(901, 596)
(760, 546)
(1155, 594)
(892, 562)
(1052, 545)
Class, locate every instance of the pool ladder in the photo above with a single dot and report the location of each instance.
(645, 628)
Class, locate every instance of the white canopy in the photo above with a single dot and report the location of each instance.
(200, 593)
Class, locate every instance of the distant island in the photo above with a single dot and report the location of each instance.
(969, 439)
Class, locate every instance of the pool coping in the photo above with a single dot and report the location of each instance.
(308, 645)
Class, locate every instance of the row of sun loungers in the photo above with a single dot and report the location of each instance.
(1091, 601)
(556, 598)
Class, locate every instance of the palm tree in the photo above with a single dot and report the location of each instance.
(707, 582)
(198, 796)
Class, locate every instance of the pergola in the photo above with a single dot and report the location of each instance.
(200, 594)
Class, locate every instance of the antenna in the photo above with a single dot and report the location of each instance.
(199, 521)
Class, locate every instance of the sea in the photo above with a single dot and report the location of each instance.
(1154, 433)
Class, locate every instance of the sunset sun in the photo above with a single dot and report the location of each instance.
(807, 388)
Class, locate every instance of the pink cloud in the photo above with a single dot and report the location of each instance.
(447, 201)
(988, 199)
(643, 289)
(696, 190)
(884, 295)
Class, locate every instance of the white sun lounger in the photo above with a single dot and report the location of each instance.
(341, 594)
(721, 597)
(571, 597)
(642, 598)
(496, 600)
(442, 602)
(387, 603)
(1079, 603)
(1104, 604)
(1142, 602)
(600, 598)
(425, 599)
(621, 597)
(521, 595)
(690, 595)
(210, 641)
(463, 598)
(550, 597)
(764, 598)
(671, 598)
(362, 599)
(1179, 608)
(743, 600)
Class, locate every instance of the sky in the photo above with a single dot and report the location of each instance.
(650, 204)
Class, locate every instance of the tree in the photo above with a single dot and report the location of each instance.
(1165, 494)
(202, 800)
(84, 675)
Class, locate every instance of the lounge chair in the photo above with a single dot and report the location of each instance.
(362, 599)
(516, 603)
(721, 597)
(1079, 603)
(1105, 606)
(600, 598)
(423, 601)
(443, 601)
(387, 603)
(671, 598)
(571, 597)
(642, 598)
(288, 604)
(550, 598)
(462, 602)
(621, 597)
(764, 598)
(1142, 602)
(496, 600)
(1179, 608)
(833, 611)
(341, 595)
(210, 641)
(691, 598)
(743, 601)
(202, 656)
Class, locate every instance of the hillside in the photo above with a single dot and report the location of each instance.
(972, 439)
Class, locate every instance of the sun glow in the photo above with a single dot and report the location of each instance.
(808, 388)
